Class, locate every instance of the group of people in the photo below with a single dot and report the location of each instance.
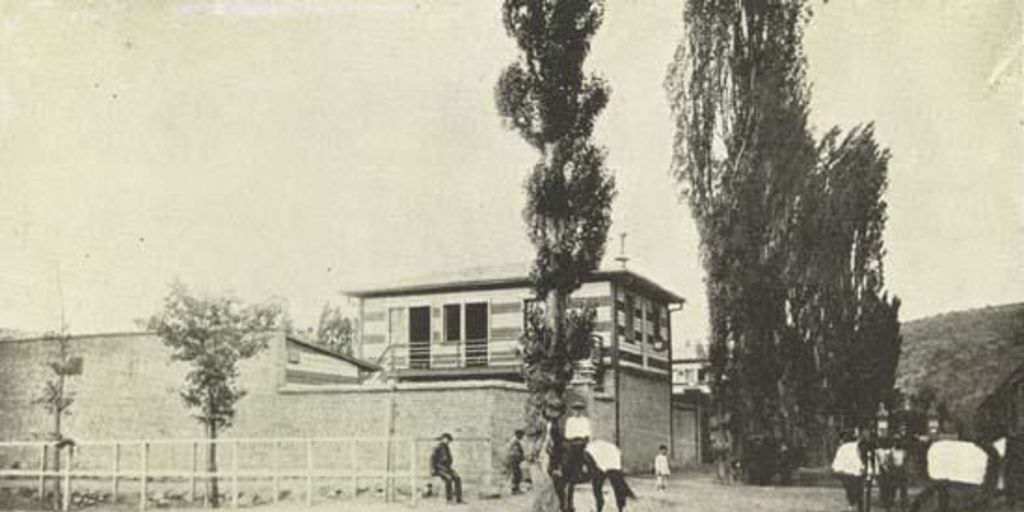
(569, 455)
(865, 458)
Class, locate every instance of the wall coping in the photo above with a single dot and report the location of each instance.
(299, 389)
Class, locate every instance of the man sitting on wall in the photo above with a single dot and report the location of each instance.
(441, 466)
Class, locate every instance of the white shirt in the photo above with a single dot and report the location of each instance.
(577, 427)
(847, 460)
(606, 455)
(1000, 446)
(661, 465)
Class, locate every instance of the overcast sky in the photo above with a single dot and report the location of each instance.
(296, 148)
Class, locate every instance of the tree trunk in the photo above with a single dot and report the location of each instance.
(211, 466)
(58, 412)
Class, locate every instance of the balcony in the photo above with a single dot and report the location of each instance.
(470, 358)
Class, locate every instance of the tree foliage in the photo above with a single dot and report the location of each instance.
(212, 335)
(335, 330)
(55, 397)
(790, 229)
(546, 97)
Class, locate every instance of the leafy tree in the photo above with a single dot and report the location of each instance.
(548, 99)
(335, 330)
(741, 147)
(56, 398)
(213, 335)
(791, 230)
(861, 324)
(552, 103)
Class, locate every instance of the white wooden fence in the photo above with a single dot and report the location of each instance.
(391, 461)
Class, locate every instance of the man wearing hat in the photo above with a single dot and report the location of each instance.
(441, 466)
(577, 434)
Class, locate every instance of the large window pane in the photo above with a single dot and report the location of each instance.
(476, 321)
(419, 324)
(453, 322)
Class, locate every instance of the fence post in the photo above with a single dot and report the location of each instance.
(309, 472)
(234, 474)
(195, 468)
(353, 470)
(42, 472)
(209, 481)
(489, 475)
(412, 470)
(66, 495)
(116, 455)
(275, 456)
(143, 482)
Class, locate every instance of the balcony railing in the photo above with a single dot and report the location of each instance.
(452, 355)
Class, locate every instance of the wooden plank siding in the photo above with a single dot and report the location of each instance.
(505, 318)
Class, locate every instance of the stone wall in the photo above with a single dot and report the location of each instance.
(128, 391)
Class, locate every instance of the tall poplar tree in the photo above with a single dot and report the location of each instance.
(546, 97)
(741, 147)
(803, 335)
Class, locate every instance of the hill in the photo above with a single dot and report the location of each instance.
(961, 356)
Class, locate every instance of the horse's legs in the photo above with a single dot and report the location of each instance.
(558, 484)
(598, 487)
(570, 491)
(619, 488)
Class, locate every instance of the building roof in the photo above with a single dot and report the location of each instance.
(365, 365)
(508, 276)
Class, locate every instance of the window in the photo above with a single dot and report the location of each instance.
(453, 322)
(476, 321)
(655, 321)
(631, 323)
(293, 356)
(419, 324)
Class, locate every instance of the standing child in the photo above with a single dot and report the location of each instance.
(516, 455)
(661, 470)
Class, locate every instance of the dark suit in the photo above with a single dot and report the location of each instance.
(441, 466)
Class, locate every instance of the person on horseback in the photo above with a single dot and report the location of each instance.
(575, 464)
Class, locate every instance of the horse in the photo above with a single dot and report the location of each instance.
(971, 468)
(602, 461)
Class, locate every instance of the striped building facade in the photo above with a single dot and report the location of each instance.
(468, 328)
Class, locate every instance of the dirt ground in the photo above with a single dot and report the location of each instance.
(689, 492)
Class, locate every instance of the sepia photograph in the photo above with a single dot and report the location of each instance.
(512, 255)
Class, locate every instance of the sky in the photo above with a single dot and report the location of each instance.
(291, 149)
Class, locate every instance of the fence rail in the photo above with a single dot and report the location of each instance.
(399, 461)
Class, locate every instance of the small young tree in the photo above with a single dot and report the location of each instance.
(335, 330)
(213, 335)
(56, 398)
